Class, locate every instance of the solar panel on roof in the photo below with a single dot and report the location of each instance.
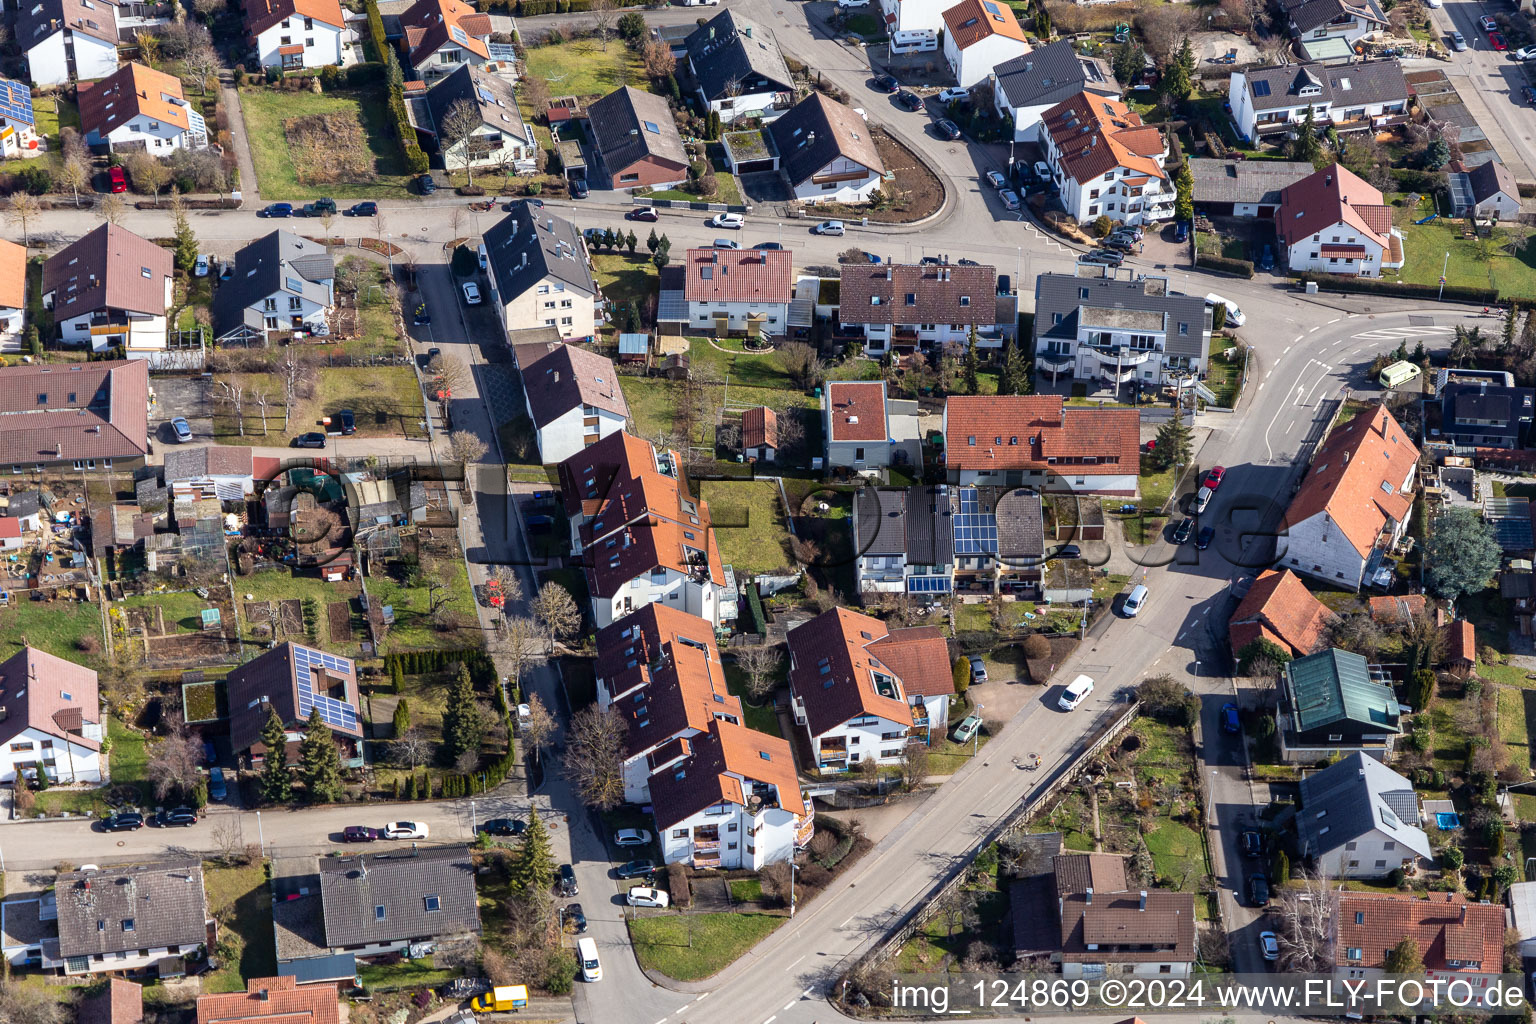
(1260, 88)
(458, 34)
(975, 526)
(15, 101)
(485, 94)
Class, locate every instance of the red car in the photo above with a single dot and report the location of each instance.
(1496, 41)
(1213, 478)
(116, 181)
(361, 834)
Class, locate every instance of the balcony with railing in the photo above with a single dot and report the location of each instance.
(920, 716)
(1054, 362)
(1121, 355)
(805, 828)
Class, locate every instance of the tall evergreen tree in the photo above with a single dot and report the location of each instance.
(186, 240)
(1305, 146)
(972, 365)
(402, 717)
(1178, 76)
(653, 242)
(276, 785)
(1174, 441)
(533, 870)
(1017, 377)
(1510, 320)
(463, 727)
(1184, 193)
(319, 761)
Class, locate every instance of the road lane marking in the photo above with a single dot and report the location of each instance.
(1334, 320)
(1288, 348)
(701, 998)
(791, 966)
(1296, 339)
(789, 1004)
(770, 1020)
(807, 992)
(850, 917)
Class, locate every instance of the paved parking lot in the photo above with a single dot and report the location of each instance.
(190, 397)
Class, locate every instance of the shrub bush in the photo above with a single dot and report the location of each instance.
(1224, 265)
(1401, 289)
(677, 885)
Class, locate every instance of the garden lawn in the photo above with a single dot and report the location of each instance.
(405, 974)
(182, 610)
(1176, 854)
(265, 112)
(413, 629)
(241, 901)
(1517, 709)
(627, 280)
(652, 403)
(1225, 374)
(386, 400)
(978, 617)
(749, 523)
(760, 717)
(1425, 246)
(717, 940)
(281, 585)
(584, 69)
(52, 626)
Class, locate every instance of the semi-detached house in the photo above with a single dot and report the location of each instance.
(110, 288)
(739, 291)
(13, 295)
(67, 40)
(862, 691)
(1113, 331)
(50, 719)
(1025, 87)
(905, 539)
(88, 416)
(908, 307)
(1354, 502)
(1458, 940)
(573, 398)
(140, 109)
(1350, 97)
(1327, 30)
(292, 35)
(1106, 161)
(131, 918)
(539, 273)
(642, 537)
(1037, 441)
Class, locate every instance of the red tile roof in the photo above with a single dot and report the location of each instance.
(1096, 134)
(271, 1001)
(759, 428)
(1333, 195)
(922, 294)
(1038, 432)
(971, 21)
(113, 395)
(1398, 610)
(13, 275)
(739, 275)
(106, 269)
(839, 641)
(722, 763)
(131, 90)
(426, 24)
(121, 1002)
(1446, 927)
(1460, 642)
(919, 655)
(39, 690)
(681, 690)
(858, 410)
(1347, 476)
(1284, 611)
(261, 15)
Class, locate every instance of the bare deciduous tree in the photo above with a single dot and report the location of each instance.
(1304, 930)
(457, 129)
(233, 392)
(148, 173)
(466, 447)
(538, 728)
(412, 749)
(761, 665)
(111, 208)
(32, 1004)
(603, 13)
(802, 363)
(452, 374)
(208, 8)
(24, 209)
(594, 757)
(201, 62)
(509, 582)
(297, 377)
(536, 92)
(174, 764)
(555, 610)
(75, 175)
(262, 397)
(659, 61)
(914, 764)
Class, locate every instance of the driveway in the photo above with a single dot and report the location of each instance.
(189, 397)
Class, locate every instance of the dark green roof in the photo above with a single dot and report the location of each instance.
(1336, 686)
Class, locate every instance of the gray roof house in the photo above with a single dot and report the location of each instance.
(131, 918)
(822, 141)
(499, 140)
(1370, 94)
(374, 904)
(1487, 190)
(1091, 326)
(1335, 702)
(905, 538)
(281, 282)
(539, 272)
(1244, 188)
(636, 140)
(738, 66)
(1026, 87)
(1360, 819)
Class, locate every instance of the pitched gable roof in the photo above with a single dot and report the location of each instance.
(370, 899)
(1245, 181)
(1333, 195)
(1080, 872)
(430, 24)
(1096, 134)
(56, 697)
(492, 95)
(832, 671)
(817, 131)
(1039, 432)
(527, 246)
(917, 294)
(1445, 926)
(971, 21)
(130, 907)
(1355, 797)
(271, 1001)
(558, 378)
(1128, 927)
(730, 49)
(13, 275)
(279, 261)
(1282, 85)
(1491, 178)
(629, 125)
(1357, 478)
(919, 655)
(185, 464)
(121, 1002)
(760, 428)
(292, 678)
(1310, 14)
(739, 275)
(680, 690)
(111, 267)
(857, 410)
(1336, 686)
(40, 19)
(725, 764)
(1051, 74)
(131, 90)
(1460, 642)
(261, 15)
(1287, 610)
(113, 397)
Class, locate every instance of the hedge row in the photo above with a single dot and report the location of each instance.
(1400, 289)
(1226, 265)
(482, 671)
(376, 32)
(405, 134)
(531, 8)
(353, 76)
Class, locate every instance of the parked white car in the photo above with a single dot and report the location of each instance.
(631, 837)
(643, 896)
(828, 227)
(200, 268)
(1076, 692)
(996, 180)
(405, 830)
(1524, 53)
(472, 293)
(727, 220)
(1235, 316)
(954, 93)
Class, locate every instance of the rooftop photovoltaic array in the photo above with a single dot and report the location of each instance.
(336, 713)
(975, 526)
(15, 101)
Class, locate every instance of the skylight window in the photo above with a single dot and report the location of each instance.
(378, 912)
(652, 127)
(432, 903)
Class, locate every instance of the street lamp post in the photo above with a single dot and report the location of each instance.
(791, 886)
(976, 736)
(260, 839)
(471, 817)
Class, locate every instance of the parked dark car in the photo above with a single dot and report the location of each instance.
(1122, 243)
(1067, 551)
(361, 834)
(177, 817)
(887, 83)
(127, 821)
(1529, 94)
(313, 439)
(277, 210)
(1267, 258)
(1004, 284)
(367, 209)
(947, 128)
(1181, 231)
(1253, 845)
(908, 101)
(1229, 721)
(505, 827)
(1207, 534)
(1183, 531)
(319, 208)
(346, 421)
(1103, 257)
(568, 881)
(644, 213)
(426, 185)
(579, 188)
(637, 869)
(572, 919)
(1258, 891)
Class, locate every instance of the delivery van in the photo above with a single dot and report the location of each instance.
(503, 998)
(1235, 317)
(591, 967)
(1398, 374)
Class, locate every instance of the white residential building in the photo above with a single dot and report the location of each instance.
(826, 152)
(1320, 26)
(1025, 87)
(739, 69)
(67, 40)
(281, 282)
(1360, 819)
(979, 35)
(539, 274)
(1354, 503)
(739, 291)
(296, 34)
(500, 141)
(1114, 331)
(911, 307)
(862, 691)
(1459, 942)
(645, 539)
(1371, 95)
(130, 918)
(905, 540)
(729, 798)
(110, 288)
(1038, 441)
(50, 719)
(137, 108)
(1106, 161)
(18, 122)
(914, 25)
(1332, 222)
(572, 396)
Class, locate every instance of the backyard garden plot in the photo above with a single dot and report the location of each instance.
(329, 148)
(279, 167)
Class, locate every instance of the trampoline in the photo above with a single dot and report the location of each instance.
(1447, 820)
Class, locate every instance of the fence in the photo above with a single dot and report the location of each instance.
(920, 910)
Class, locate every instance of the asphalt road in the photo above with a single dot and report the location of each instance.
(1489, 84)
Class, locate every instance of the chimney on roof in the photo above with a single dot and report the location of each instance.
(1143, 905)
(1328, 180)
(1463, 913)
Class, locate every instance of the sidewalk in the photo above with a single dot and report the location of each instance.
(249, 193)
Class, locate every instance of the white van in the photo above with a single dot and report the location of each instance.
(484, 261)
(1235, 316)
(1400, 372)
(1202, 499)
(1076, 692)
(1135, 600)
(591, 968)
